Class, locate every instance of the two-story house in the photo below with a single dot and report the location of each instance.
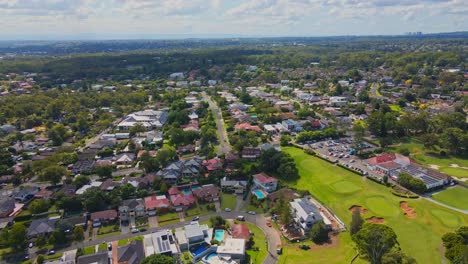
(265, 182)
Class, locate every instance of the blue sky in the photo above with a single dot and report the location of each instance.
(110, 19)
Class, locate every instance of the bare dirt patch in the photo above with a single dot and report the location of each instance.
(375, 220)
(408, 211)
(359, 208)
(434, 167)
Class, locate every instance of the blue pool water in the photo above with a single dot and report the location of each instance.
(187, 191)
(259, 194)
(199, 251)
(219, 235)
(211, 255)
(195, 187)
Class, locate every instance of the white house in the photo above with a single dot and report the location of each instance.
(265, 182)
(305, 213)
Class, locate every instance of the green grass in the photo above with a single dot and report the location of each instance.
(456, 197)
(396, 108)
(88, 250)
(102, 247)
(456, 172)
(167, 217)
(173, 221)
(108, 234)
(198, 210)
(419, 237)
(53, 256)
(108, 228)
(228, 201)
(345, 187)
(259, 239)
(124, 242)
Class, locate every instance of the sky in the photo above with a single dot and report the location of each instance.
(123, 19)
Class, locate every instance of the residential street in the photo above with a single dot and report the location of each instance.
(273, 237)
(224, 146)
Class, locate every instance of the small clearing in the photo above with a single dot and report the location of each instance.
(375, 220)
(407, 210)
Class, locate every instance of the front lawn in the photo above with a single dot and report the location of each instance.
(108, 228)
(53, 256)
(456, 197)
(88, 250)
(124, 242)
(108, 234)
(228, 201)
(167, 217)
(141, 221)
(257, 256)
(419, 237)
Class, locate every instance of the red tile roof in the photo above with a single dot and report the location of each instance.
(104, 215)
(213, 164)
(153, 202)
(240, 231)
(182, 200)
(247, 126)
(263, 178)
(173, 190)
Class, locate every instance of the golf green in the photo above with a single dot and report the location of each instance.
(381, 206)
(339, 189)
(345, 187)
(456, 172)
(446, 218)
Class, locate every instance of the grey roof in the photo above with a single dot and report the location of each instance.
(194, 230)
(41, 226)
(132, 253)
(133, 203)
(98, 258)
(7, 205)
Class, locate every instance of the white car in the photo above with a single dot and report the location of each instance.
(252, 213)
(227, 210)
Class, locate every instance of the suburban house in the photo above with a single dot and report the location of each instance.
(240, 231)
(25, 193)
(149, 119)
(43, 194)
(101, 257)
(124, 159)
(194, 234)
(132, 253)
(250, 153)
(292, 125)
(188, 168)
(247, 127)
(304, 213)
(131, 208)
(338, 101)
(207, 193)
(41, 227)
(235, 186)
(103, 217)
(7, 206)
(233, 248)
(182, 201)
(213, 164)
(161, 242)
(154, 204)
(265, 182)
(387, 163)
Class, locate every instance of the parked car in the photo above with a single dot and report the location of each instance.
(240, 218)
(252, 213)
(142, 229)
(195, 218)
(135, 231)
(51, 252)
(227, 209)
(31, 245)
(109, 246)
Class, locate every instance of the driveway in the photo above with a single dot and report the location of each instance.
(115, 245)
(153, 221)
(181, 216)
(217, 206)
(124, 228)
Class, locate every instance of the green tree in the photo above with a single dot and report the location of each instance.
(40, 242)
(78, 233)
(17, 236)
(456, 245)
(356, 222)
(40, 259)
(39, 206)
(319, 233)
(163, 187)
(53, 174)
(94, 199)
(137, 129)
(81, 180)
(57, 134)
(157, 259)
(104, 172)
(374, 241)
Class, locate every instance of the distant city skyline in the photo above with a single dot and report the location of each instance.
(145, 19)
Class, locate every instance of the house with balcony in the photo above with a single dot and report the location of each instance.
(131, 208)
(304, 213)
(265, 182)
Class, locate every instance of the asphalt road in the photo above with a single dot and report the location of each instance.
(272, 235)
(224, 146)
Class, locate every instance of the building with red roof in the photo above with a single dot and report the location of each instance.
(387, 163)
(156, 203)
(265, 182)
(182, 200)
(248, 127)
(213, 164)
(240, 231)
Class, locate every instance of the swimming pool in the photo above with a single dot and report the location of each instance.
(214, 254)
(195, 187)
(200, 251)
(187, 191)
(219, 235)
(259, 194)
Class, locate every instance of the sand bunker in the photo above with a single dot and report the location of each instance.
(375, 220)
(359, 208)
(434, 167)
(407, 210)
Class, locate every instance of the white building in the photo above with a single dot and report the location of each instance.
(150, 119)
(234, 248)
(338, 101)
(305, 213)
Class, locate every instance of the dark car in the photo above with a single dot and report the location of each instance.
(142, 229)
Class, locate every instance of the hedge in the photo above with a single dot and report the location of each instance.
(412, 196)
(349, 169)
